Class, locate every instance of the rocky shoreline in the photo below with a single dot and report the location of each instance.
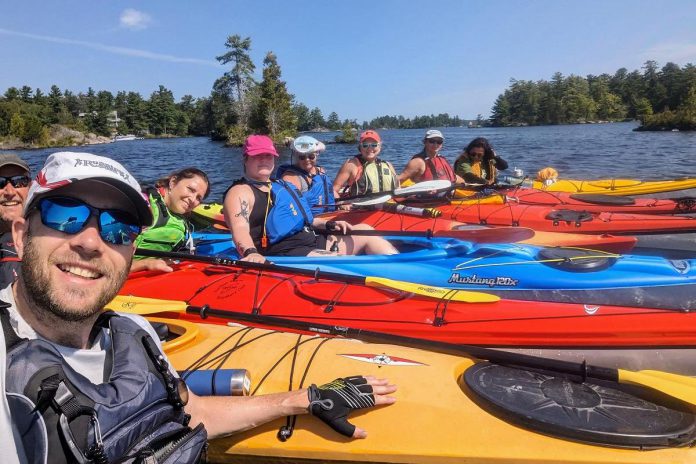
(58, 136)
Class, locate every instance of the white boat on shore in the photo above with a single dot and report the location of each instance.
(124, 138)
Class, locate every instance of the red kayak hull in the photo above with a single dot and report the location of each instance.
(599, 203)
(383, 220)
(505, 323)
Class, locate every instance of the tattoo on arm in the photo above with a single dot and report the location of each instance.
(243, 210)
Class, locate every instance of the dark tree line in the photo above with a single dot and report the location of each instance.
(27, 113)
(624, 95)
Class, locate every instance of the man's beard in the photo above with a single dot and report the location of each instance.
(40, 291)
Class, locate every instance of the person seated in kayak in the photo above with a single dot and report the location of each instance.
(365, 172)
(15, 180)
(305, 173)
(479, 163)
(429, 164)
(270, 217)
(171, 199)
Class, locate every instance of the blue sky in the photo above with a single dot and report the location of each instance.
(360, 58)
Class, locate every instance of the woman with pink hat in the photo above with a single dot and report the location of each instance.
(270, 217)
(365, 172)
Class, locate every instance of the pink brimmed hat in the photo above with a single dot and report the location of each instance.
(259, 145)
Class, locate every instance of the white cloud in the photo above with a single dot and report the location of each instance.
(679, 53)
(134, 19)
(112, 49)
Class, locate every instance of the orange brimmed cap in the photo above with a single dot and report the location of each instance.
(370, 134)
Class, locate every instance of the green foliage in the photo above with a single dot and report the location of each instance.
(349, 134)
(418, 122)
(333, 122)
(236, 135)
(573, 99)
(274, 114)
(17, 126)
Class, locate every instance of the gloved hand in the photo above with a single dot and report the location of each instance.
(332, 402)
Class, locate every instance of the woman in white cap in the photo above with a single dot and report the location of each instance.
(429, 164)
(305, 173)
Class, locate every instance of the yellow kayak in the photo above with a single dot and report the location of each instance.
(624, 187)
(434, 420)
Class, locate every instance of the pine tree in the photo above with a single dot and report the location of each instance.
(274, 114)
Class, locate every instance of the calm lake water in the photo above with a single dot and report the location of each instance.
(587, 151)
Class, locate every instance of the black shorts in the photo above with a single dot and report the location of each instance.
(300, 244)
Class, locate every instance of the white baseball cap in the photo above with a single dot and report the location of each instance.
(67, 168)
(434, 133)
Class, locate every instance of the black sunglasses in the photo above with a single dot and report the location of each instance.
(303, 156)
(16, 181)
(435, 142)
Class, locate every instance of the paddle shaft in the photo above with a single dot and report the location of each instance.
(492, 235)
(317, 273)
(497, 356)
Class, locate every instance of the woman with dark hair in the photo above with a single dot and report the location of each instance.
(479, 164)
(171, 199)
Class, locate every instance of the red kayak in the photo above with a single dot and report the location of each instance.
(598, 203)
(503, 323)
(545, 218)
(384, 220)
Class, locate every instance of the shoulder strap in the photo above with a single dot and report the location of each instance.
(162, 209)
(11, 337)
(296, 198)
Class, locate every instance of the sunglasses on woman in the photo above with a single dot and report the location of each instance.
(369, 145)
(304, 156)
(70, 216)
(16, 181)
(435, 141)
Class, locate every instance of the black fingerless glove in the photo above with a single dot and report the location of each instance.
(331, 226)
(333, 401)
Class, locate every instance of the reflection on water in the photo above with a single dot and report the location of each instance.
(576, 151)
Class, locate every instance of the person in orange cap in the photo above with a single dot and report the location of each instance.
(365, 172)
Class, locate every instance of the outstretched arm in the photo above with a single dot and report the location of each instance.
(225, 415)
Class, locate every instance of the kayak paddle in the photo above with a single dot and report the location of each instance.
(481, 235)
(420, 187)
(415, 288)
(674, 385)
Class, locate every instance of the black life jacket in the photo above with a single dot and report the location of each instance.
(133, 416)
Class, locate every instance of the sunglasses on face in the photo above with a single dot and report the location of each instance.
(369, 144)
(435, 142)
(476, 154)
(310, 156)
(16, 181)
(70, 216)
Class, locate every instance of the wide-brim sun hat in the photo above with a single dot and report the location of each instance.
(434, 134)
(306, 144)
(65, 168)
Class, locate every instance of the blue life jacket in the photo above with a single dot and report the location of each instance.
(316, 189)
(289, 212)
(133, 416)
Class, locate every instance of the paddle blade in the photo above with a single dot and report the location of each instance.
(430, 291)
(488, 235)
(423, 187)
(144, 306)
(674, 385)
(373, 201)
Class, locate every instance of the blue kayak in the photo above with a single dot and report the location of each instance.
(512, 271)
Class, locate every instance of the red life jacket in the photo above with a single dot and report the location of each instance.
(437, 168)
